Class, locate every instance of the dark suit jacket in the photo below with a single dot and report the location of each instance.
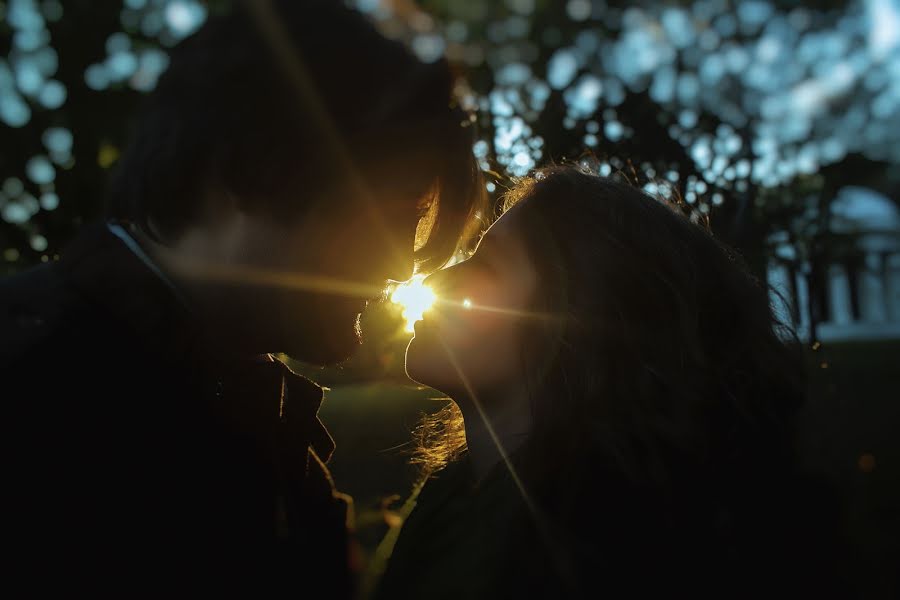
(136, 460)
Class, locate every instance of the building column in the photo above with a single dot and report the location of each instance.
(892, 287)
(840, 311)
(872, 308)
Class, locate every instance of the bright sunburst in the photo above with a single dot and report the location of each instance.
(415, 298)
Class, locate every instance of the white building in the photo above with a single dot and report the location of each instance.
(860, 299)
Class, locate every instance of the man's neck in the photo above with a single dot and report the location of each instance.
(138, 247)
(203, 301)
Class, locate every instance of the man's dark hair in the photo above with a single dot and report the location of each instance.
(276, 103)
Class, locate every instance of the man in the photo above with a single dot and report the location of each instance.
(277, 178)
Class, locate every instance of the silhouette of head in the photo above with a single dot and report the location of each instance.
(637, 334)
(289, 153)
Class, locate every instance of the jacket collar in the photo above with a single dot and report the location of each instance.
(113, 274)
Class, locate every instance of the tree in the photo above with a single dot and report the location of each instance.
(746, 111)
(70, 83)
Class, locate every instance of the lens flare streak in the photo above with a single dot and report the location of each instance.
(254, 276)
(415, 298)
(562, 567)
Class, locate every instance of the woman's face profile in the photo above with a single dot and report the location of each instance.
(472, 337)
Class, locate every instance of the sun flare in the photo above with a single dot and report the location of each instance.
(414, 298)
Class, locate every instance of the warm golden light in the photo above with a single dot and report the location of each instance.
(415, 298)
(467, 303)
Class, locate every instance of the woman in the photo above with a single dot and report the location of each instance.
(622, 415)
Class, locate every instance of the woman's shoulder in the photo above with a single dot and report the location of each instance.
(460, 536)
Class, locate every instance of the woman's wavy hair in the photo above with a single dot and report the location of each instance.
(663, 354)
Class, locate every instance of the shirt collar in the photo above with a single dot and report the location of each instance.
(119, 230)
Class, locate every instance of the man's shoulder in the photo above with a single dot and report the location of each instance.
(33, 305)
(27, 284)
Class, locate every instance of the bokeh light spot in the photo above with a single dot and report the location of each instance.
(414, 298)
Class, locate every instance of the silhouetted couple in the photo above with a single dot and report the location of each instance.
(623, 405)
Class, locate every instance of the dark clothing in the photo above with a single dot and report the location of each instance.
(598, 535)
(135, 459)
(459, 540)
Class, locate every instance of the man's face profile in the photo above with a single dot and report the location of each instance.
(336, 258)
